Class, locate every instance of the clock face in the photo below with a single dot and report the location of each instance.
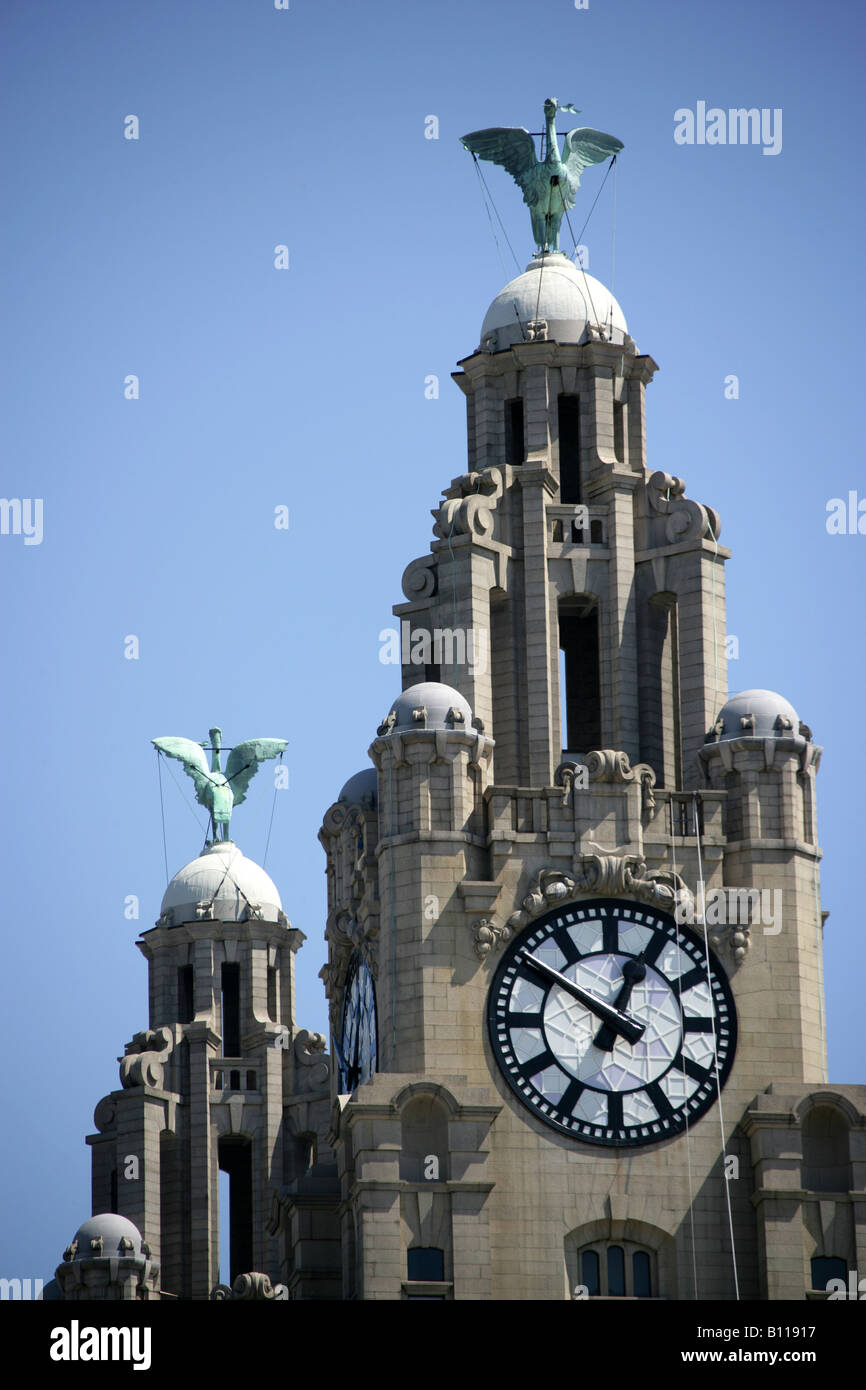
(608, 1025)
(357, 1049)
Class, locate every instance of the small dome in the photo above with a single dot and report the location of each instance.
(770, 714)
(444, 707)
(556, 290)
(362, 789)
(224, 877)
(113, 1229)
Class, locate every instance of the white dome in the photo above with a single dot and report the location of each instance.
(438, 700)
(568, 300)
(362, 789)
(771, 714)
(113, 1229)
(223, 877)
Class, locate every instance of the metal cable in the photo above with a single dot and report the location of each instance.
(696, 802)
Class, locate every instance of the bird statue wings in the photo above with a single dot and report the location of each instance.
(550, 184)
(216, 790)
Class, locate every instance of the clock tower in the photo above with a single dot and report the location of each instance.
(574, 927)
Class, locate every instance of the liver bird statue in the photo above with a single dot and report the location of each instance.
(549, 185)
(221, 791)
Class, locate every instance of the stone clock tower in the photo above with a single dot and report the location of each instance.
(574, 929)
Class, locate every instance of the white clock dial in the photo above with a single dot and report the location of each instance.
(609, 1023)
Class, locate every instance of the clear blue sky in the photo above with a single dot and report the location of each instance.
(305, 388)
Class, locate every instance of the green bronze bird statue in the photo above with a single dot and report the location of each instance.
(549, 185)
(216, 790)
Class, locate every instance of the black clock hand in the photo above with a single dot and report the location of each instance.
(627, 1027)
(632, 973)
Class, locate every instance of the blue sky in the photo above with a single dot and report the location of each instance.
(304, 388)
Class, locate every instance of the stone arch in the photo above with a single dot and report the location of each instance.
(424, 1147)
(825, 1124)
(630, 1234)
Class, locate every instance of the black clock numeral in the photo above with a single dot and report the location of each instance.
(652, 952)
(566, 945)
(536, 1064)
(659, 1100)
(524, 1020)
(570, 1096)
(610, 935)
(690, 1068)
(614, 1111)
(698, 976)
(697, 1025)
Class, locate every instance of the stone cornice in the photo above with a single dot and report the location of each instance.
(253, 930)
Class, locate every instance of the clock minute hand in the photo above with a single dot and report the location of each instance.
(623, 1024)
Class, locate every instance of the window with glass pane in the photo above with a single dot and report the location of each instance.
(589, 1272)
(615, 1272)
(640, 1265)
(426, 1263)
(825, 1268)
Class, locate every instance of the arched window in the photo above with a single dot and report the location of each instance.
(618, 1270)
(424, 1150)
(425, 1263)
(579, 674)
(235, 1159)
(826, 1159)
(568, 411)
(827, 1267)
(425, 1275)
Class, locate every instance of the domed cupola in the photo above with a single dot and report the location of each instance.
(223, 885)
(361, 790)
(428, 706)
(757, 714)
(554, 299)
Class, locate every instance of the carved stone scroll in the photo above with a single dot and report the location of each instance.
(469, 505)
(685, 520)
(143, 1063)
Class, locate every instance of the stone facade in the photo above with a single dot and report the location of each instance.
(564, 737)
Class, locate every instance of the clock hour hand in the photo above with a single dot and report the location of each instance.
(633, 972)
(623, 1024)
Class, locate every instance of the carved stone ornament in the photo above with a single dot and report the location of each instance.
(731, 941)
(611, 765)
(536, 330)
(607, 765)
(104, 1114)
(311, 1057)
(489, 936)
(70, 1251)
(145, 1056)
(253, 1286)
(469, 505)
(685, 520)
(607, 875)
(420, 578)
